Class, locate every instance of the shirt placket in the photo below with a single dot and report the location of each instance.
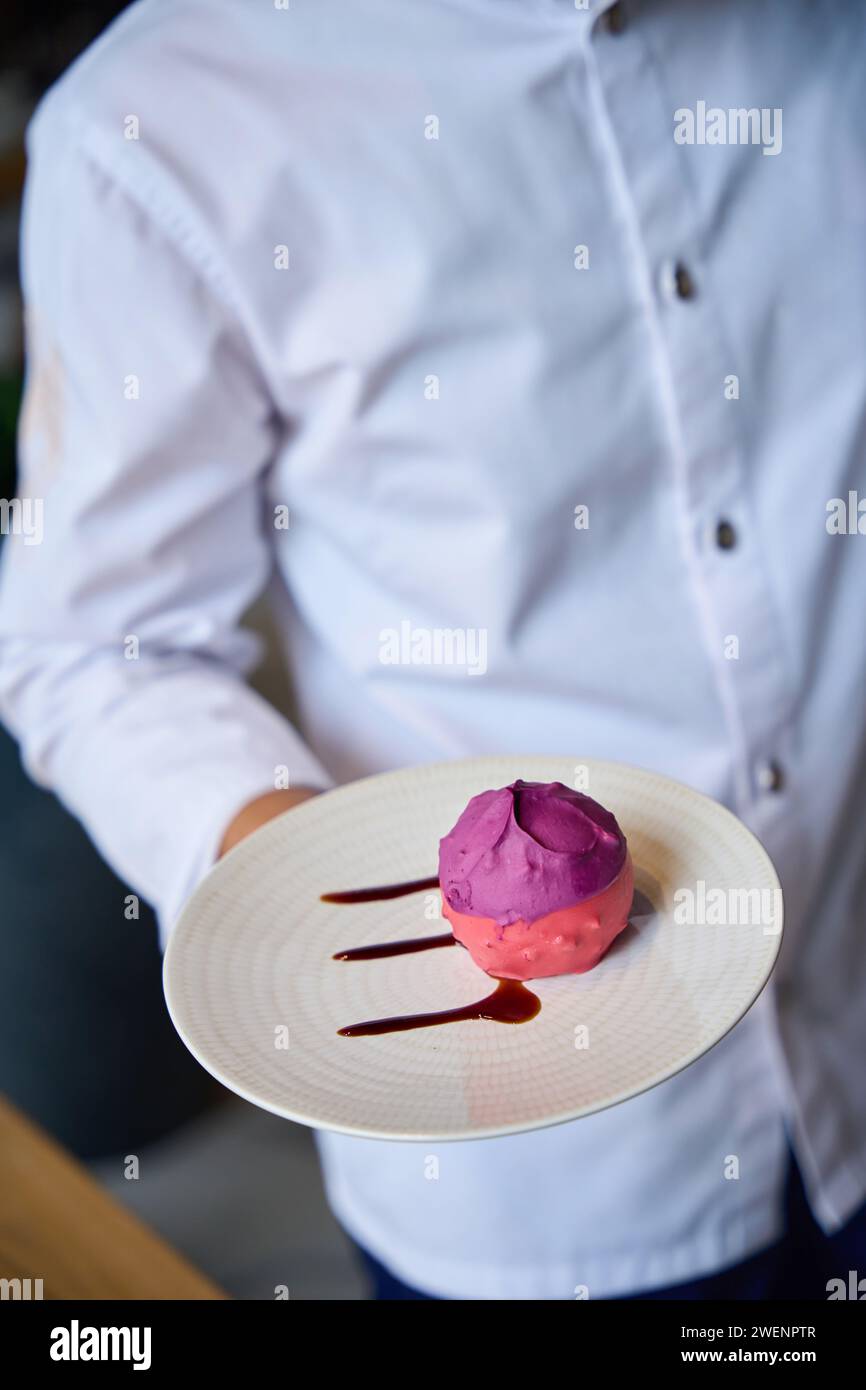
(656, 214)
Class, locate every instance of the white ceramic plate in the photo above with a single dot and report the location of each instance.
(256, 996)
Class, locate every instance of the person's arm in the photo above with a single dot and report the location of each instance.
(259, 812)
(145, 433)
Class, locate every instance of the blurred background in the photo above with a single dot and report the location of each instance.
(86, 1046)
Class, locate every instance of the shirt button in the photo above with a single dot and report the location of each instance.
(771, 778)
(684, 285)
(675, 281)
(614, 20)
(726, 536)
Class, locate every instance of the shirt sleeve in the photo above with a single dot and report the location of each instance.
(139, 537)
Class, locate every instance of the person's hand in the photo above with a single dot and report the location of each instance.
(259, 812)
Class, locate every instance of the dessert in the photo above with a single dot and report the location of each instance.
(536, 880)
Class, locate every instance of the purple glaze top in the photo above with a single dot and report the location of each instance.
(525, 850)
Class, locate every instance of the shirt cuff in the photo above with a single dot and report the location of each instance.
(159, 777)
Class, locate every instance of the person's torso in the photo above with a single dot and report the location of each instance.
(528, 351)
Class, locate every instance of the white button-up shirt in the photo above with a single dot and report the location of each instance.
(445, 316)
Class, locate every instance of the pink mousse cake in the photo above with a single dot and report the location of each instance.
(536, 880)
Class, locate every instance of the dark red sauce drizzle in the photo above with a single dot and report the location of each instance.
(510, 1002)
(375, 895)
(397, 948)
